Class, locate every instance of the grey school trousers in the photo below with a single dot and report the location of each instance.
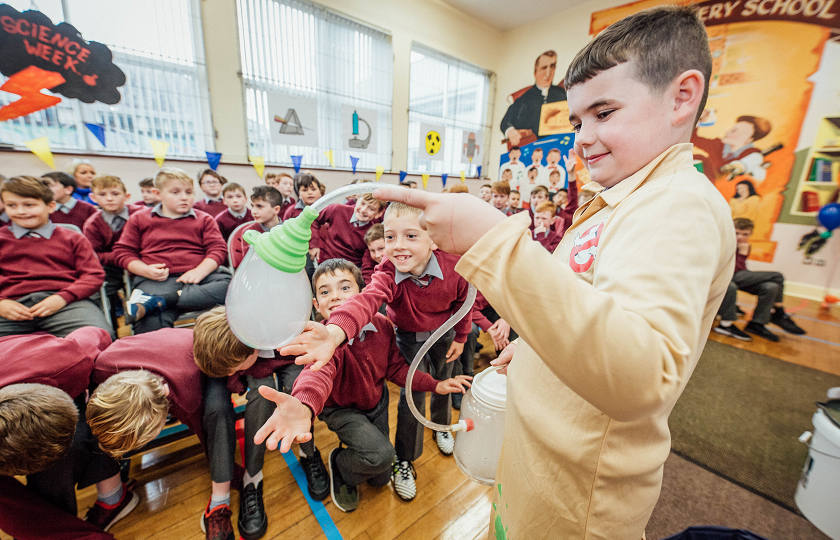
(202, 296)
(769, 287)
(409, 439)
(71, 317)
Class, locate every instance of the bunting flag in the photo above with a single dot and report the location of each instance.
(403, 174)
(379, 170)
(443, 178)
(41, 148)
(259, 164)
(329, 154)
(213, 159)
(159, 148)
(478, 171)
(354, 161)
(425, 180)
(296, 162)
(98, 131)
(463, 177)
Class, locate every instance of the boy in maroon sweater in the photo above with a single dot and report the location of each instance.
(375, 240)
(345, 238)
(44, 435)
(67, 208)
(422, 290)
(237, 211)
(267, 204)
(148, 193)
(47, 273)
(211, 183)
(349, 393)
(285, 184)
(174, 253)
(544, 219)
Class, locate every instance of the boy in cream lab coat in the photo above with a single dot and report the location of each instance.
(613, 322)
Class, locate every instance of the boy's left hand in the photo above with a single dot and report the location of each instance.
(459, 384)
(47, 306)
(290, 422)
(454, 351)
(192, 276)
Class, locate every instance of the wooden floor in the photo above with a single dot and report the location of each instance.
(174, 487)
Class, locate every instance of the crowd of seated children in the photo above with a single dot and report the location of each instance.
(83, 173)
(67, 208)
(47, 273)
(104, 228)
(485, 193)
(769, 287)
(174, 253)
(211, 183)
(149, 196)
(285, 184)
(266, 205)
(237, 211)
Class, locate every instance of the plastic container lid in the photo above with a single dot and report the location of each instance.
(827, 429)
(491, 388)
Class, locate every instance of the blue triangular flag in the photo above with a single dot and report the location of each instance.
(403, 174)
(443, 177)
(478, 171)
(213, 159)
(98, 132)
(296, 162)
(354, 161)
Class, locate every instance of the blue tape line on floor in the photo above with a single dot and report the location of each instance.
(321, 514)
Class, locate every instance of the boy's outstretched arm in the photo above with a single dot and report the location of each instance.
(317, 343)
(289, 423)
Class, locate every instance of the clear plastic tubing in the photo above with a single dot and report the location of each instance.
(367, 187)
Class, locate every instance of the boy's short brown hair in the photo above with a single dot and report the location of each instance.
(501, 187)
(546, 206)
(331, 266)
(743, 224)
(222, 180)
(305, 179)
(37, 423)
(459, 188)
(171, 174)
(106, 182)
(539, 188)
(268, 194)
(396, 209)
(486, 186)
(373, 200)
(28, 187)
(662, 42)
(127, 411)
(62, 178)
(376, 232)
(233, 186)
(217, 351)
(147, 183)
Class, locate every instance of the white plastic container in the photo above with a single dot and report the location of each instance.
(818, 493)
(477, 451)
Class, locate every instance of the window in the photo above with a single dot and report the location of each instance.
(448, 92)
(293, 48)
(158, 45)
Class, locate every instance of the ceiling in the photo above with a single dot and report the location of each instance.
(506, 14)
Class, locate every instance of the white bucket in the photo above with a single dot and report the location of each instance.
(818, 494)
(477, 451)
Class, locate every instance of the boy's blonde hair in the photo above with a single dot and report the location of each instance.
(217, 351)
(107, 182)
(171, 174)
(373, 200)
(397, 209)
(127, 411)
(546, 206)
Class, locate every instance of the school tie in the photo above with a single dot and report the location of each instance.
(33, 234)
(422, 283)
(117, 223)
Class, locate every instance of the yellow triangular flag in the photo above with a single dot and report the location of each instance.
(41, 148)
(463, 177)
(159, 148)
(425, 180)
(259, 164)
(379, 170)
(329, 154)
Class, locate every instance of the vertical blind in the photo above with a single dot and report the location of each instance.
(449, 92)
(297, 48)
(158, 45)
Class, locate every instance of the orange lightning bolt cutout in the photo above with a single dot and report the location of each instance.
(28, 84)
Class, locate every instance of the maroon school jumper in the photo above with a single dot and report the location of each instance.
(410, 307)
(288, 202)
(167, 352)
(567, 214)
(77, 216)
(181, 244)
(64, 262)
(239, 247)
(64, 363)
(344, 240)
(227, 222)
(353, 377)
(368, 266)
(549, 239)
(102, 238)
(210, 206)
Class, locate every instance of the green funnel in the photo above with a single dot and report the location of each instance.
(285, 247)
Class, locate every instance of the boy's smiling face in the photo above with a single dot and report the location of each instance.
(27, 212)
(366, 211)
(332, 290)
(407, 246)
(377, 250)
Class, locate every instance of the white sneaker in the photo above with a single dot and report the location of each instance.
(445, 441)
(402, 477)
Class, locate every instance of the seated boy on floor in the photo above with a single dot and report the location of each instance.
(349, 393)
(237, 211)
(544, 233)
(43, 434)
(345, 238)
(769, 287)
(68, 209)
(104, 228)
(47, 273)
(174, 253)
(266, 203)
(233, 367)
(421, 289)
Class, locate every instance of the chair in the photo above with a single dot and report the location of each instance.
(236, 247)
(103, 296)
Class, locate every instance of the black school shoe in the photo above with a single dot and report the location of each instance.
(783, 321)
(761, 331)
(253, 523)
(317, 479)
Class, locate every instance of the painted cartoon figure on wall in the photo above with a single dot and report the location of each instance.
(734, 154)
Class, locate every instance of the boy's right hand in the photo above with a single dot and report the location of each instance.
(314, 253)
(290, 422)
(458, 383)
(14, 311)
(504, 358)
(156, 272)
(316, 343)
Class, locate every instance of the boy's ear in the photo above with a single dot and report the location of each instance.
(687, 92)
(70, 188)
(315, 303)
(276, 210)
(51, 206)
(128, 196)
